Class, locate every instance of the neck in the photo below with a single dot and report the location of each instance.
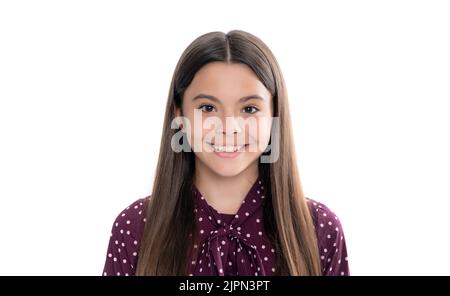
(224, 194)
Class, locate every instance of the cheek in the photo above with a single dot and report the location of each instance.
(200, 134)
(260, 137)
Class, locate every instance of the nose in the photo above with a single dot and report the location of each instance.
(231, 126)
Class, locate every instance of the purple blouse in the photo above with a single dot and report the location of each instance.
(227, 244)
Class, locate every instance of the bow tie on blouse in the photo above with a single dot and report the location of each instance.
(232, 244)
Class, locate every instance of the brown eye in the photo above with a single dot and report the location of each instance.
(207, 108)
(250, 109)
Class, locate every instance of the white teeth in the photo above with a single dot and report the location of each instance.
(228, 149)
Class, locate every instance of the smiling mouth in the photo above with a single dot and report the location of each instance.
(228, 149)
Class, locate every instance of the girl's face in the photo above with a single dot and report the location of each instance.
(227, 117)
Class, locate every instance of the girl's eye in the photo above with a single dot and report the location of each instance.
(207, 108)
(250, 109)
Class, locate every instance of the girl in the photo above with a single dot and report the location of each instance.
(227, 197)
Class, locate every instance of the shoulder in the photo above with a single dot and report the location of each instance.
(131, 219)
(323, 216)
(330, 238)
(122, 254)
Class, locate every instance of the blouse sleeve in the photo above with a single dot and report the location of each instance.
(331, 240)
(122, 253)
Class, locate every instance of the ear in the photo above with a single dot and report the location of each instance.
(178, 114)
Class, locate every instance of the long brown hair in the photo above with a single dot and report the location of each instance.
(166, 241)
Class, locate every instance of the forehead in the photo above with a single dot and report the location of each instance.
(226, 81)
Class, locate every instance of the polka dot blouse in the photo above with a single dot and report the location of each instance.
(227, 244)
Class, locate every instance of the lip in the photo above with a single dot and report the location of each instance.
(224, 154)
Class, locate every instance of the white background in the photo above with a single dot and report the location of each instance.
(83, 86)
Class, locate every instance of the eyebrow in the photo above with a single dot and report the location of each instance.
(213, 98)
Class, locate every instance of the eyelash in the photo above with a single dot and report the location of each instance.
(203, 110)
(202, 107)
(253, 108)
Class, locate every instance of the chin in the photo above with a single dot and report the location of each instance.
(230, 169)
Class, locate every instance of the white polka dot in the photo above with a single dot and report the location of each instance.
(329, 259)
(193, 262)
(116, 242)
(117, 224)
(223, 242)
(123, 214)
(339, 261)
(229, 263)
(124, 260)
(329, 223)
(123, 244)
(109, 255)
(191, 274)
(126, 274)
(135, 242)
(273, 269)
(325, 250)
(201, 269)
(254, 200)
(321, 224)
(328, 236)
(128, 221)
(218, 221)
(263, 246)
(128, 232)
(248, 235)
(337, 229)
(246, 214)
(342, 273)
(346, 259)
(202, 231)
(200, 219)
(134, 254)
(236, 216)
(272, 250)
(324, 214)
(118, 273)
(257, 220)
(322, 257)
(195, 246)
(265, 258)
(115, 259)
(221, 270)
(105, 273)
